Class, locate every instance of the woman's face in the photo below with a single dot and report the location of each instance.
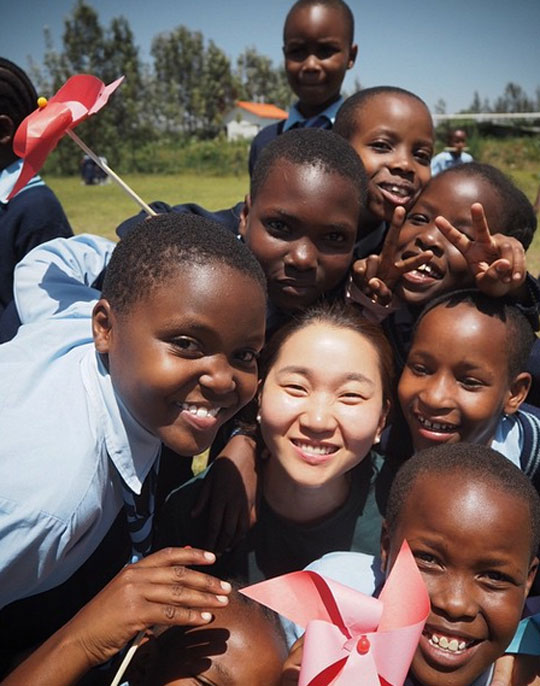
(321, 405)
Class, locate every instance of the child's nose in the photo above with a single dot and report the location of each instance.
(311, 63)
(430, 238)
(403, 161)
(302, 255)
(436, 393)
(219, 376)
(454, 597)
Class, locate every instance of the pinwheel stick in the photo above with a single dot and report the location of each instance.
(149, 211)
(131, 650)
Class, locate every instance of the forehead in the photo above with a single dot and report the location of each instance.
(459, 191)
(467, 515)
(316, 22)
(470, 330)
(301, 187)
(395, 112)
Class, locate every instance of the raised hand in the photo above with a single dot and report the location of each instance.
(497, 262)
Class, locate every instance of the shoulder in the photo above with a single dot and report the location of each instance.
(357, 570)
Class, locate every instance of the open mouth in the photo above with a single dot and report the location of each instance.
(314, 452)
(436, 427)
(201, 411)
(425, 274)
(201, 417)
(448, 643)
(396, 193)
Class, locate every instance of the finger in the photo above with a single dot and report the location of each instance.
(411, 263)
(513, 251)
(479, 222)
(502, 676)
(358, 271)
(456, 237)
(176, 556)
(381, 294)
(392, 236)
(372, 266)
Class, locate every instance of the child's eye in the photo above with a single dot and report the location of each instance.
(248, 356)
(497, 579)
(417, 218)
(425, 557)
(470, 383)
(296, 53)
(326, 51)
(418, 369)
(184, 344)
(380, 146)
(335, 237)
(295, 389)
(277, 227)
(423, 156)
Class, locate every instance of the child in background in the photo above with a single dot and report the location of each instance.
(453, 155)
(465, 380)
(322, 487)
(83, 420)
(34, 215)
(180, 648)
(392, 131)
(472, 521)
(318, 48)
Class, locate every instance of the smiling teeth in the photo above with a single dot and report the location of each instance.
(452, 645)
(435, 426)
(199, 411)
(316, 449)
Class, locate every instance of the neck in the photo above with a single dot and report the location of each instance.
(309, 111)
(300, 503)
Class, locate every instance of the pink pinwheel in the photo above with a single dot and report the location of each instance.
(39, 133)
(351, 638)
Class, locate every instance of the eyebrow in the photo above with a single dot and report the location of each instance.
(350, 376)
(224, 673)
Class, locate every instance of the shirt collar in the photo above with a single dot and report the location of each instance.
(131, 448)
(9, 176)
(296, 117)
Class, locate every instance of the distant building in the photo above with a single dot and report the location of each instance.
(248, 118)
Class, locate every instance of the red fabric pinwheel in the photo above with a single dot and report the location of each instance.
(352, 638)
(38, 134)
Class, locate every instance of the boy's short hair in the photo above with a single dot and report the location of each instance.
(18, 97)
(516, 217)
(317, 148)
(519, 331)
(158, 246)
(346, 120)
(470, 461)
(333, 4)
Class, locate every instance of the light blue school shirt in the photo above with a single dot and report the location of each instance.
(9, 176)
(296, 117)
(66, 444)
(445, 160)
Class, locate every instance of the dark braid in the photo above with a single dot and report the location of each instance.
(18, 96)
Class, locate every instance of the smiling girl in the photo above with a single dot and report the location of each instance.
(323, 401)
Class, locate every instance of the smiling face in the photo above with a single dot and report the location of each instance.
(183, 359)
(217, 654)
(451, 196)
(472, 544)
(321, 406)
(317, 54)
(455, 384)
(394, 138)
(301, 227)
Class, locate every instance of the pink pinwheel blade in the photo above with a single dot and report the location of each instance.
(38, 134)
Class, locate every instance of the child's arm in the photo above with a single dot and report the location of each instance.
(56, 278)
(291, 668)
(497, 262)
(158, 590)
(229, 494)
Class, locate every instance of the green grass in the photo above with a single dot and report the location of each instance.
(99, 209)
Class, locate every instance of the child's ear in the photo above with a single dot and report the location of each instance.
(517, 392)
(102, 324)
(353, 52)
(242, 222)
(385, 547)
(532, 574)
(7, 129)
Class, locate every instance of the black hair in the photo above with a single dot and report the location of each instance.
(154, 250)
(516, 216)
(471, 462)
(519, 333)
(18, 97)
(341, 316)
(346, 124)
(315, 147)
(333, 4)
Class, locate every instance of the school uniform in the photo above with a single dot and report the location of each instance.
(276, 545)
(71, 453)
(33, 216)
(323, 120)
(446, 160)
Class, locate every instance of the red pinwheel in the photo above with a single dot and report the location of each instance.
(38, 134)
(352, 638)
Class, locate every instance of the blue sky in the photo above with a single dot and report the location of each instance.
(436, 48)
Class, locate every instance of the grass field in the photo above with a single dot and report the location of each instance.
(99, 209)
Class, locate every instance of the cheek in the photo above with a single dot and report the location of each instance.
(278, 411)
(332, 269)
(360, 424)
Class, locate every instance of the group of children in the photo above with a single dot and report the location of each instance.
(276, 332)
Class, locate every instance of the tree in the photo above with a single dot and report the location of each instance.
(259, 81)
(514, 99)
(217, 90)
